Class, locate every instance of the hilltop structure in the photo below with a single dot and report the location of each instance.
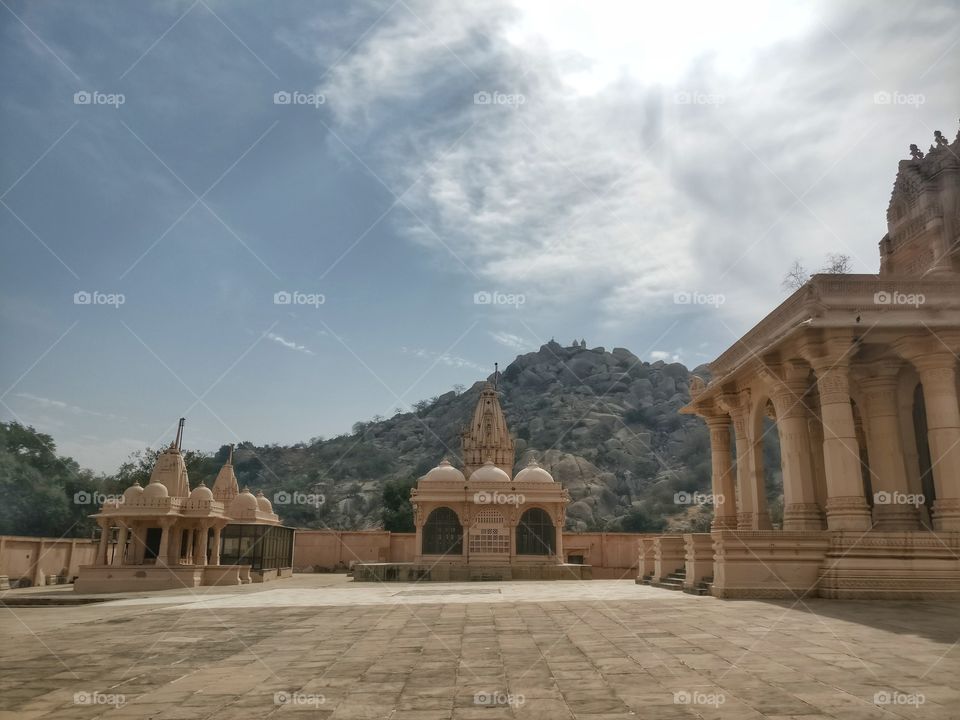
(167, 536)
(484, 522)
(859, 374)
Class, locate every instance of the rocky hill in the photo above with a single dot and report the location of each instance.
(605, 424)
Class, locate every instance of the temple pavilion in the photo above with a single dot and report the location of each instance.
(857, 376)
(167, 536)
(484, 521)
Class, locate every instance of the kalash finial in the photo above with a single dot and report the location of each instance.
(940, 139)
(915, 152)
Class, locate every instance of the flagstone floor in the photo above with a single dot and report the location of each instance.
(321, 646)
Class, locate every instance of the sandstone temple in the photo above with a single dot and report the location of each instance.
(859, 375)
(484, 522)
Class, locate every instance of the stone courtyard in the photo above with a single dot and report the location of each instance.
(320, 646)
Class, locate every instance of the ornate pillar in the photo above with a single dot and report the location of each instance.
(800, 508)
(938, 376)
(891, 510)
(121, 544)
(203, 533)
(188, 556)
(751, 508)
(722, 476)
(215, 555)
(846, 506)
(102, 546)
(163, 553)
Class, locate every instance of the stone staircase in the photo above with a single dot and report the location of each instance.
(673, 581)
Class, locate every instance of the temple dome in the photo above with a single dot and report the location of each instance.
(202, 493)
(262, 503)
(533, 473)
(489, 472)
(244, 502)
(444, 471)
(155, 490)
(133, 493)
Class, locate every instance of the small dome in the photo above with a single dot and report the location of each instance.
(489, 471)
(444, 471)
(263, 503)
(155, 490)
(533, 473)
(133, 493)
(244, 502)
(202, 493)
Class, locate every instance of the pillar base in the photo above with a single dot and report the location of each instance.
(848, 512)
(896, 518)
(946, 514)
(802, 516)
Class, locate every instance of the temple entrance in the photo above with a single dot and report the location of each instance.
(536, 534)
(442, 533)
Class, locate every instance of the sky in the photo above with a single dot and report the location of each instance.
(277, 219)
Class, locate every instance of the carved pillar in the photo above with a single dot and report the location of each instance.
(203, 533)
(163, 553)
(751, 507)
(891, 510)
(102, 546)
(121, 544)
(846, 506)
(800, 508)
(938, 377)
(815, 426)
(723, 478)
(215, 555)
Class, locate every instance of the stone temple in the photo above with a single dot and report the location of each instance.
(167, 536)
(857, 376)
(484, 522)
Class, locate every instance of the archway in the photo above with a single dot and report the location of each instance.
(442, 533)
(536, 534)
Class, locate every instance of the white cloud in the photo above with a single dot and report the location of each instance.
(289, 343)
(665, 355)
(52, 404)
(443, 358)
(514, 342)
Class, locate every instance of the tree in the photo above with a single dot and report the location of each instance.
(796, 276)
(397, 510)
(837, 264)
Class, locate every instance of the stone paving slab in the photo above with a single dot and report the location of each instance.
(320, 646)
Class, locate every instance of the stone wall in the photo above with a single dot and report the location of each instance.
(31, 559)
(612, 555)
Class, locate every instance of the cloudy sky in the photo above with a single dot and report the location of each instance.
(280, 218)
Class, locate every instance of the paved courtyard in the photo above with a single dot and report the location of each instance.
(321, 646)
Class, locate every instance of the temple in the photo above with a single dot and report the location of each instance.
(484, 522)
(167, 536)
(857, 376)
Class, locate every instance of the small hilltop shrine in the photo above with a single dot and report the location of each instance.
(484, 522)
(167, 536)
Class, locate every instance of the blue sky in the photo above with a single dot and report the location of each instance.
(628, 152)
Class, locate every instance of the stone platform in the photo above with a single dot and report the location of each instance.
(448, 572)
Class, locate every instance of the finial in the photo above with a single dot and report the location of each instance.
(230, 455)
(915, 152)
(941, 140)
(496, 375)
